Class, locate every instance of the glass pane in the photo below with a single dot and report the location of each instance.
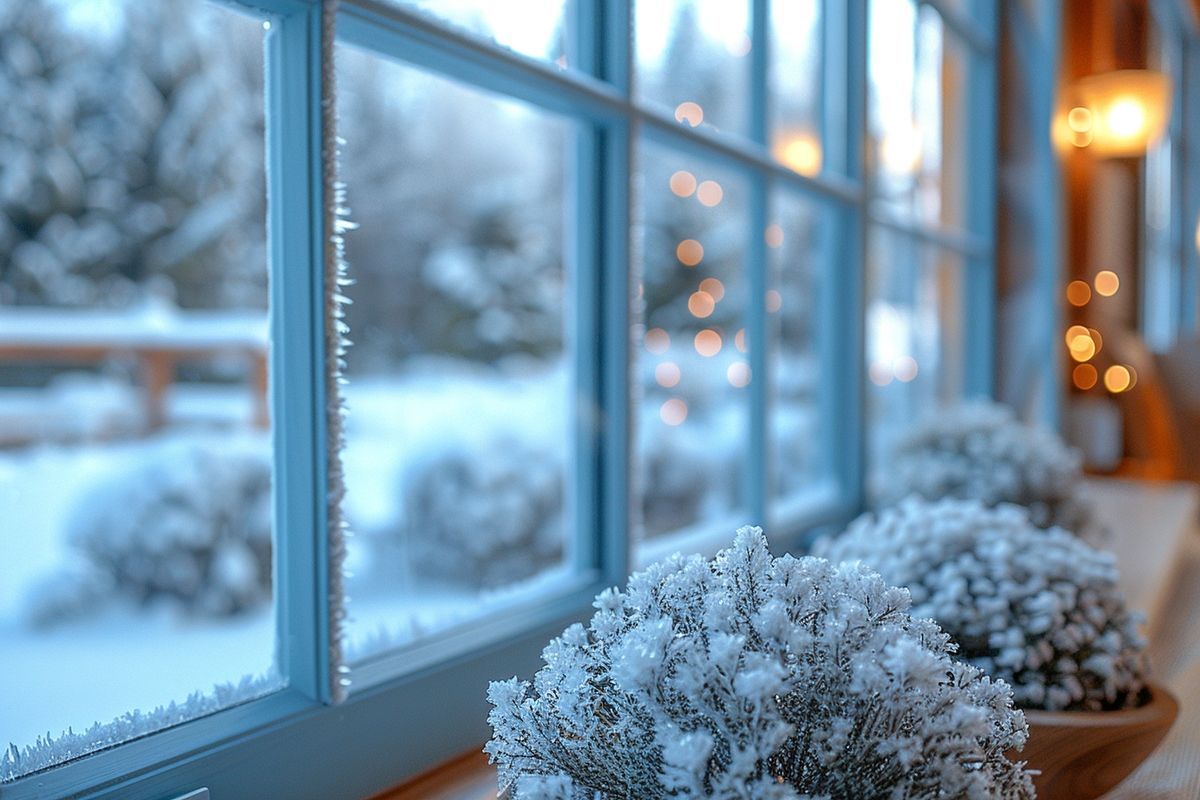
(795, 77)
(917, 122)
(459, 387)
(135, 452)
(693, 56)
(691, 347)
(538, 28)
(916, 336)
(799, 241)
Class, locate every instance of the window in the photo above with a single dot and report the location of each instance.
(623, 280)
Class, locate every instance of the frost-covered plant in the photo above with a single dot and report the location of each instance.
(487, 515)
(1038, 608)
(752, 677)
(189, 525)
(980, 450)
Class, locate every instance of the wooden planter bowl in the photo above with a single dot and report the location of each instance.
(1083, 754)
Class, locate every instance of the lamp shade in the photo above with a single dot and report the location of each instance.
(1120, 113)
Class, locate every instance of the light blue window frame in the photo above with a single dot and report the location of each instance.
(403, 717)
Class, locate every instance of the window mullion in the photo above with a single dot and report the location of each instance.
(980, 280)
(612, 202)
(297, 350)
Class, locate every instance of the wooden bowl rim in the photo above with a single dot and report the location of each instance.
(1162, 704)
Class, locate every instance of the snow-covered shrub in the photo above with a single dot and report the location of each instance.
(188, 524)
(752, 677)
(1037, 607)
(980, 450)
(485, 515)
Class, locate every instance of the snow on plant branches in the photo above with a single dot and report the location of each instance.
(981, 450)
(753, 677)
(1038, 608)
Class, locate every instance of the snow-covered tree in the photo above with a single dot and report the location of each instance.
(133, 160)
(753, 677)
(1038, 608)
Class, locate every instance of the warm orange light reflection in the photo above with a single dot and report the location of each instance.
(1106, 282)
(689, 112)
(905, 368)
(683, 183)
(709, 193)
(1097, 339)
(689, 252)
(1117, 379)
(774, 235)
(1079, 119)
(657, 340)
(708, 343)
(739, 340)
(667, 374)
(1074, 332)
(673, 412)
(1078, 293)
(701, 304)
(1084, 376)
(800, 152)
(774, 300)
(738, 374)
(713, 287)
(1127, 110)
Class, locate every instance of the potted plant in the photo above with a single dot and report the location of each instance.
(980, 450)
(1037, 608)
(754, 677)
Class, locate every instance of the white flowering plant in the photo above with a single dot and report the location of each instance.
(754, 677)
(980, 450)
(1037, 608)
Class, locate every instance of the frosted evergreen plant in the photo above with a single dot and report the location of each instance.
(980, 450)
(753, 677)
(1037, 608)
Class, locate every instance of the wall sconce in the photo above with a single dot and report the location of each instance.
(1117, 114)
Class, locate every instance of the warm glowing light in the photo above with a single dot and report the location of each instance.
(800, 152)
(739, 340)
(667, 374)
(1127, 110)
(701, 304)
(713, 287)
(1132, 376)
(1075, 331)
(1082, 347)
(774, 300)
(1079, 119)
(1117, 379)
(1106, 283)
(708, 343)
(709, 193)
(904, 368)
(774, 235)
(689, 252)
(689, 112)
(1097, 339)
(738, 374)
(673, 412)
(739, 46)
(1078, 293)
(880, 373)
(900, 150)
(1126, 117)
(683, 183)
(1084, 376)
(657, 340)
